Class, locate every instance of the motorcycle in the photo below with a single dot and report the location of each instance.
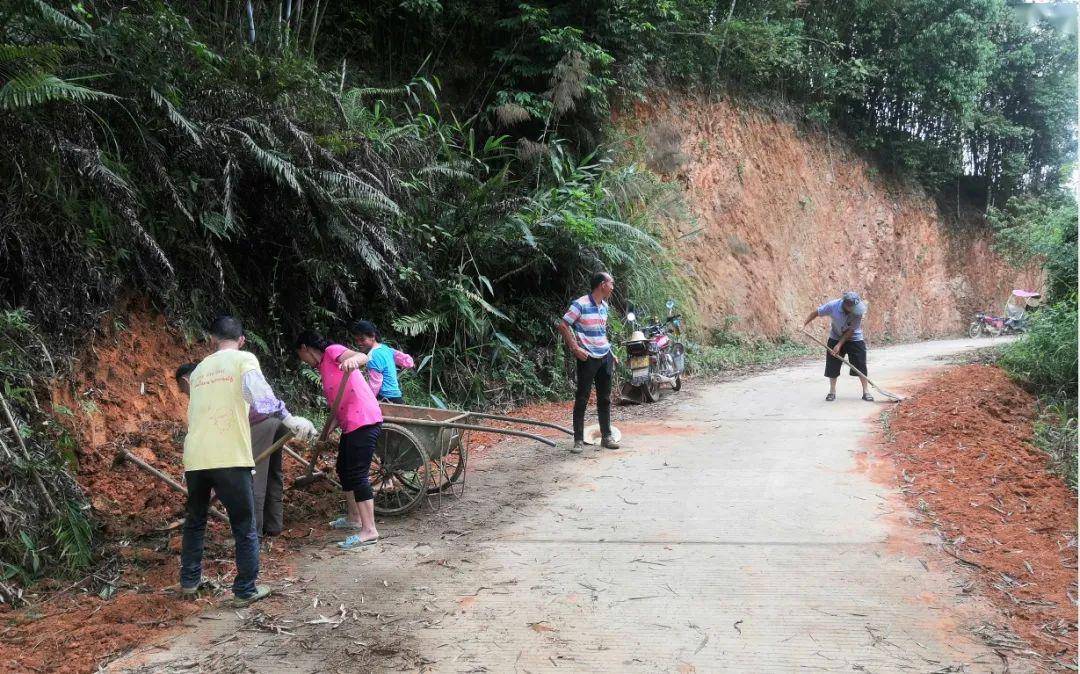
(655, 356)
(996, 326)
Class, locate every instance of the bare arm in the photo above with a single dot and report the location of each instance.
(571, 341)
(843, 338)
(810, 318)
(351, 360)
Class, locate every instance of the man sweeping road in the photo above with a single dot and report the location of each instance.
(845, 339)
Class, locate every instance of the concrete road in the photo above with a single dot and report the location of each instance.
(741, 532)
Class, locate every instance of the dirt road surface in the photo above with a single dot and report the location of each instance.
(741, 532)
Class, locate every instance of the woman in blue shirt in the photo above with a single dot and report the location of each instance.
(383, 362)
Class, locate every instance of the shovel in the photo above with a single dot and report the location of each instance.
(274, 447)
(316, 449)
(844, 360)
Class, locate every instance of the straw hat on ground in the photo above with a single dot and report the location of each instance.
(592, 434)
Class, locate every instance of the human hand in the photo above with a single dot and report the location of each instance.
(354, 362)
(302, 428)
(581, 354)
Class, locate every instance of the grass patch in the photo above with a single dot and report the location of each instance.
(1045, 361)
(987, 355)
(741, 354)
(1055, 434)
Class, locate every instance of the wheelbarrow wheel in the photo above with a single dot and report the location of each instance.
(448, 470)
(400, 471)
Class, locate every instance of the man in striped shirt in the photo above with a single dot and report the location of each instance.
(584, 329)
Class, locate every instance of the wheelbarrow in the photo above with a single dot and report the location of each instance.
(423, 451)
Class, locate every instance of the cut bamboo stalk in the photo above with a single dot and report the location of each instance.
(166, 479)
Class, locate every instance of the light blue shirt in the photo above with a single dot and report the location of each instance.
(381, 359)
(841, 322)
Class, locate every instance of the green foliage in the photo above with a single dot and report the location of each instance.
(1041, 229)
(74, 537)
(441, 168)
(1046, 357)
(966, 93)
(1056, 434)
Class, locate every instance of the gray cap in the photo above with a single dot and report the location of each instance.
(852, 297)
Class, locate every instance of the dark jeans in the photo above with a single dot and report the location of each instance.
(233, 488)
(354, 461)
(269, 483)
(397, 401)
(590, 371)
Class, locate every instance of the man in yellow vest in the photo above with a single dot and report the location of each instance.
(217, 455)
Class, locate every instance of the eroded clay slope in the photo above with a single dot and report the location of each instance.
(787, 218)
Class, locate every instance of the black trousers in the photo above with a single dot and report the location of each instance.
(592, 371)
(856, 354)
(233, 487)
(354, 460)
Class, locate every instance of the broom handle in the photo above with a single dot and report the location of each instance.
(842, 358)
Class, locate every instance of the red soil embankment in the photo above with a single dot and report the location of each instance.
(787, 218)
(123, 395)
(963, 455)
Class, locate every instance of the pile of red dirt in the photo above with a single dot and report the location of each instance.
(963, 453)
(123, 396)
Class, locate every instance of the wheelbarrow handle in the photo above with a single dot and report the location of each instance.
(519, 420)
(467, 427)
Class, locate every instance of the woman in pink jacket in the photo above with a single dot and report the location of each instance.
(360, 419)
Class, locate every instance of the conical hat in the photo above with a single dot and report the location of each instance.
(593, 437)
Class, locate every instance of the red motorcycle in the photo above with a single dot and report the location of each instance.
(656, 356)
(996, 326)
(985, 324)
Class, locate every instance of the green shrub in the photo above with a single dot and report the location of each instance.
(745, 353)
(1055, 434)
(1045, 358)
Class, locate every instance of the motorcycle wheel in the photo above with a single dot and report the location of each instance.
(652, 391)
(678, 383)
(974, 330)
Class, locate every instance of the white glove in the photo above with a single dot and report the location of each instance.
(303, 429)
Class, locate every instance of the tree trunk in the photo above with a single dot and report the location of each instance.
(251, 22)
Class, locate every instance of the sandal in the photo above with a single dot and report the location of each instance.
(831, 397)
(868, 398)
(353, 542)
(343, 523)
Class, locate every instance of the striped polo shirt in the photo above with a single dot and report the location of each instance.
(589, 322)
